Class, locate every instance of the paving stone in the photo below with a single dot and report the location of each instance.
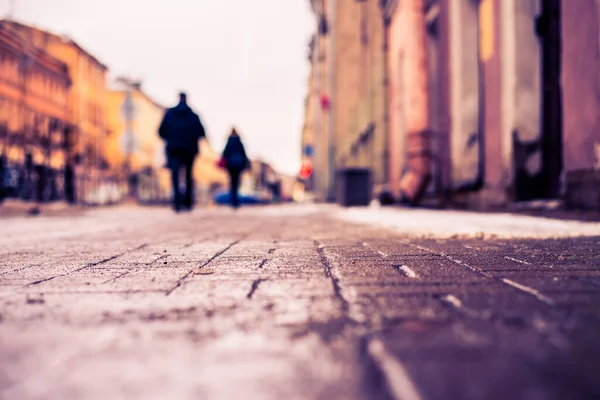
(289, 302)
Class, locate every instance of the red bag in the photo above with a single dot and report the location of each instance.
(222, 163)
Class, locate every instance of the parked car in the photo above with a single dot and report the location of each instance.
(224, 198)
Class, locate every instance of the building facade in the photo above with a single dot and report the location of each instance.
(134, 151)
(308, 137)
(361, 128)
(535, 81)
(486, 102)
(34, 121)
(320, 97)
(87, 107)
(208, 176)
(347, 92)
(580, 80)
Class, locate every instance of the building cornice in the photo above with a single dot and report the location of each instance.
(46, 62)
(64, 39)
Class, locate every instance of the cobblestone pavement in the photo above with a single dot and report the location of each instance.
(261, 304)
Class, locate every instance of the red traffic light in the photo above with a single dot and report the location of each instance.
(305, 170)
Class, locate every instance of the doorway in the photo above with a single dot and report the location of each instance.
(549, 29)
(545, 184)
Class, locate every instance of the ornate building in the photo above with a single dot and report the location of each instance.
(35, 140)
(133, 149)
(86, 106)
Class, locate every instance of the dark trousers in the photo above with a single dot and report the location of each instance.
(2, 194)
(234, 180)
(178, 161)
(70, 184)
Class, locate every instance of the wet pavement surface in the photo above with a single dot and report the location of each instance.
(261, 304)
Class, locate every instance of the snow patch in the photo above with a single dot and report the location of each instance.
(450, 223)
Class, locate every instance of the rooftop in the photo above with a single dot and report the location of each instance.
(63, 38)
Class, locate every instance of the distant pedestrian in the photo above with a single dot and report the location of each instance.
(235, 161)
(181, 129)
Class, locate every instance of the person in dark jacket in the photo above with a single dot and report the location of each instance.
(181, 129)
(236, 161)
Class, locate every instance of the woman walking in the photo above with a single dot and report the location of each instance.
(235, 161)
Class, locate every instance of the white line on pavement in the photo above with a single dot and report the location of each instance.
(400, 384)
(529, 290)
(517, 261)
(514, 284)
(407, 271)
(459, 305)
(452, 299)
(454, 260)
(381, 253)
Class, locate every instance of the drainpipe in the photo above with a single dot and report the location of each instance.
(386, 98)
(419, 157)
(331, 161)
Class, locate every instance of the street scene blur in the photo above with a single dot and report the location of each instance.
(308, 199)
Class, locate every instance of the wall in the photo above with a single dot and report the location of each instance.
(369, 138)
(87, 100)
(308, 129)
(149, 151)
(581, 84)
(322, 58)
(465, 94)
(347, 80)
(581, 102)
(521, 96)
(397, 97)
(33, 112)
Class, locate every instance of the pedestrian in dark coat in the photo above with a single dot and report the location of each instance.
(236, 161)
(181, 129)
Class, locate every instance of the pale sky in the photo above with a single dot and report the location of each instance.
(241, 62)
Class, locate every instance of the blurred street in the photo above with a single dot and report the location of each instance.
(298, 302)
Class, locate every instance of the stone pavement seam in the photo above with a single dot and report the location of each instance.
(116, 278)
(396, 383)
(89, 265)
(335, 281)
(191, 271)
(268, 323)
(539, 325)
(254, 287)
(454, 260)
(381, 253)
(450, 300)
(398, 380)
(523, 288)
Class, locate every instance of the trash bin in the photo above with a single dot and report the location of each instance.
(353, 187)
